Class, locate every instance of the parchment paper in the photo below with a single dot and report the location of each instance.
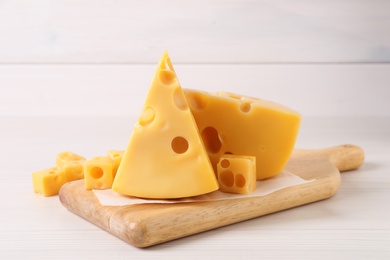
(283, 180)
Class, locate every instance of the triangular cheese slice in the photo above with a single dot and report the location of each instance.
(165, 157)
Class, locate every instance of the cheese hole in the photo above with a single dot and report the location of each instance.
(147, 116)
(52, 172)
(167, 77)
(245, 107)
(197, 102)
(231, 95)
(79, 170)
(226, 178)
(225, 163)
(167, 64)
(179, 99)
(116, 155)
(240, 180)
(96, 172)
(211, 139)
(98, 185)
(179, 145)
(69, 156)
(66, 154)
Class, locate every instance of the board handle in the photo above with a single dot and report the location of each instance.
(345, 157)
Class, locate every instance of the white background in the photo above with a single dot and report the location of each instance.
(322, 58)
(74, 75)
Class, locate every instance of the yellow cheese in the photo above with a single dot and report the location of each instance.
(99, 173)
(49, 181)
(237, 174)
(165, 157)
(72, 164)
(64, 158)
(116, 156)
(234, 124)
(69, 167)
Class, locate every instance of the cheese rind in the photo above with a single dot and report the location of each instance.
(235, 124)
(48, 182)
(99, 173)
(165, 157)
(237, 174)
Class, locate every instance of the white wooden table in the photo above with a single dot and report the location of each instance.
(354, 224)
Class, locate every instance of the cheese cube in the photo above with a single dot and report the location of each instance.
(99, 173)
(64, 158)
(49, 181)
(116, 156)
(230, 123)
(72, 164)
(237, 174)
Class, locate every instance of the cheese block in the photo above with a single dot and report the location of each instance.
(99, 173)
(240, 125)
(116, 156)
(49, 181)
(72, 165)
(64, 158)
(237, 173)
(165, 157)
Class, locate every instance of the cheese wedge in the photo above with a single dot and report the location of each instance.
(165, 157)
(240, 125)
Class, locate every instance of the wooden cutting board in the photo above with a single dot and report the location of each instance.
(149, 224)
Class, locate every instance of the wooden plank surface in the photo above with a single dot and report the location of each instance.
(146, 225)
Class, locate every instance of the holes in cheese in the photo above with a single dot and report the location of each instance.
(231, 95)
(225, 163)
(96, 172)
(71, 164)
(211, 140)
(166, 158)
(239, 180)
(146, 117)
(226, 178)
(64, 158)
(99, 173)
(70, 167)
(237, 174)
(179, 144)
(116, 156)
(167, 77)
(231, 123)
(245, 107)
